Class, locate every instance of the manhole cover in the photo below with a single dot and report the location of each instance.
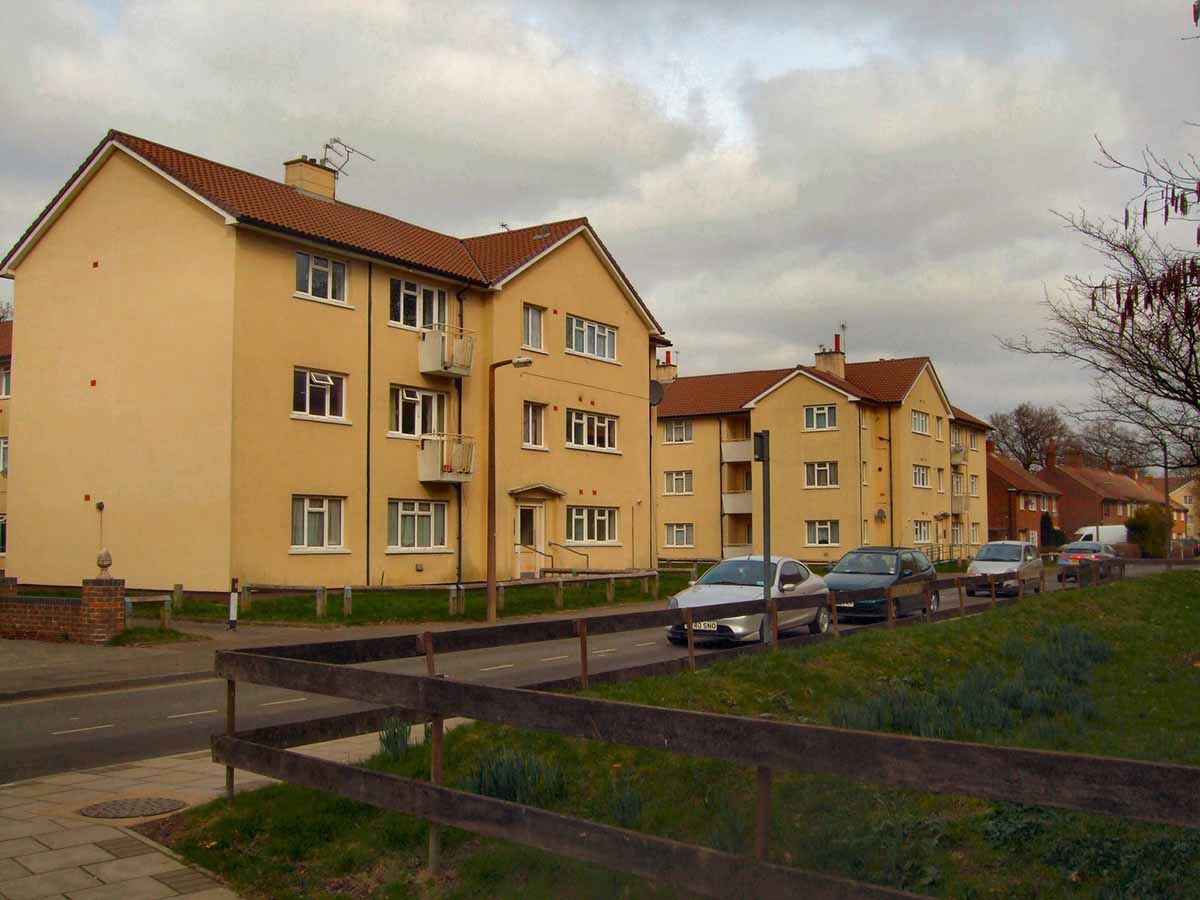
(128, 809)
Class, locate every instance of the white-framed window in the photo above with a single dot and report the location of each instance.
(941, 480)
(591, 431)
(3, 456)
(416, 305)
(415, 412)
(1045, 505)
(975, 486)
(319, 395)
(678, 483)
(678, 431)
(920, 422)
(320, 277)
(317, 522)
(416, 525)
(974, 532)
(956, 533)
(1187, 499)
(5, 382)
(821, 474)
(921, 476)
(680, 534)
(973, 439)
(531, 327)
(534, 432)
(823, 533)
(958, 484)
(820, 418)
(591, 338)
(922, 529)
(956, 435)
(937, 427)
(1034, 533)
(592, 524)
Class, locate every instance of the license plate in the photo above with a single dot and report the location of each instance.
(705, 626)
(846, 605)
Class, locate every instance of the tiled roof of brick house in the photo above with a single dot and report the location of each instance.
(965, 418)
(1011, 473)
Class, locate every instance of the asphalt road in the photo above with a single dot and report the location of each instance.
(41, 737)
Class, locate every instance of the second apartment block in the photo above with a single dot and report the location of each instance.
(861, 453)
(261, 381)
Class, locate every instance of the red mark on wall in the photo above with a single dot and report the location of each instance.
(93, 382)
(95, 263)
(87, 497)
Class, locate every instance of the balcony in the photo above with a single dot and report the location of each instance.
(960, 505)
(737, 503)
(737, 451)
(446, 458)
(733, 550)
(446, 350)
(958, 455)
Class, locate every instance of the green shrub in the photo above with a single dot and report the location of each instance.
(518, 777)
(393, 739)
(624, 802)
(1150, 529)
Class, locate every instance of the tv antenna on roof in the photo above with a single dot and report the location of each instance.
(338, 153)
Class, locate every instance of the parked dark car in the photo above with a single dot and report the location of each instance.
(1072, 555)
(881, 567)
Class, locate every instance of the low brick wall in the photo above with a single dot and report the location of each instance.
(94, 617)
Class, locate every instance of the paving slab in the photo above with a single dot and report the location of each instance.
(9, 830)
(88, 834)
(134, 889)
(134, 867)
(49, 860)
(33, 887)
(211, 894)
(10, 869)
(20, 847)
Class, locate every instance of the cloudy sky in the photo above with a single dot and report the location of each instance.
(764, 171)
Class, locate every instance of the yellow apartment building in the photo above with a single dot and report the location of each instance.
(260, 381)
(6, 333)
(1187, 495)
(869, 453)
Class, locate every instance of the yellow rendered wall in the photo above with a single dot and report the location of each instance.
(792, 503)
(977, 465)
(703, 508)
(132, 289)
(1188, 496)
(912, 503)
(4, 420)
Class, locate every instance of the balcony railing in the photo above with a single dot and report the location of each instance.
(958, 455)
(960, 504)
(737, 503)
(737, 451)
(446, 350)
(446, 458)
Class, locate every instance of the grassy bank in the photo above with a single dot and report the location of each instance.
(142, 635)
(375, 606)
(1114, 670)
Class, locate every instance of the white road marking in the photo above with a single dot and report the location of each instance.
(646, 644)
(279, 702)
(609, 650)
(555, 658)
(77, 730)
(199, 712)
(494, 668)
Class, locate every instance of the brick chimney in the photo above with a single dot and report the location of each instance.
(310, 177)
(832, 361)
(666, 369)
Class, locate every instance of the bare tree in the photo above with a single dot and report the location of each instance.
(1109, 445)
(1024, 431)
(6, 310)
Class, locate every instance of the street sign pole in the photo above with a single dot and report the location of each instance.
(762, 453)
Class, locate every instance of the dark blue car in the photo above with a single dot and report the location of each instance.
(881, 567)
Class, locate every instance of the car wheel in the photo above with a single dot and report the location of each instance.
(678, 642)
(820, 623)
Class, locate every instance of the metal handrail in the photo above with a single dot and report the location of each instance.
(539, 553)
(587, 560)
(453, 330)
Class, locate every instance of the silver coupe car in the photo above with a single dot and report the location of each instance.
(741, 579)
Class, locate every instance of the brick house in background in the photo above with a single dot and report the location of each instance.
(1017, 499)
(1184, 492)
(1089, 493)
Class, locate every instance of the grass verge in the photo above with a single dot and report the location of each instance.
(377, 607)
(1112, 670)
(142, 635)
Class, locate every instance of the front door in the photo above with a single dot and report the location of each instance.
(529, 540)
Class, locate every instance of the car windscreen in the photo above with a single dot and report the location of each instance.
(864, 562)
(999, 553)
(745, 572)
(1081, 547)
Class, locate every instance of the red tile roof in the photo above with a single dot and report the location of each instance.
(888, 380)
(6, 338)
(1011, 473)
(1155, 482)
(255, 200)
(840, 383)
(965, 418)
(710, 395)
(1111, 485)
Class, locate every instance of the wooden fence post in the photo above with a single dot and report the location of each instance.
(347, 601)
(1042, 580)
(691, 638)
(695, 571)
(762, 826)
(452, 600)
(992, 589)
(435, 759)
(499, 596)
(558, 594)
(246, 599)
(164, 615)
(773, 617)
(581, 628)
(645, 584)
(654, 578)
(926, 598)
(962, 596)
(890, 601)
(230, 728)
(321, 603)
(1020, 586)
(833, 622)
(177, 597)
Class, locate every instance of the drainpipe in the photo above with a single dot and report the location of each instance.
(370, 316)
(458, 488)
(891, 483)
(862, 536)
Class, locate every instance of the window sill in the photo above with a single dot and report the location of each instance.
(594, 450)
(821, 487)
(821, 429)
(309, 297)
(611, 362)
(535, 350)
(319, 551)
(693, 493)
(415, 551)
(535, 447)
(674, 443)
(678, 547)
(330, 420)
(398, 436)
(593, 544)
(922, 487)
(921, 433)
(819, 546)
(400, 326)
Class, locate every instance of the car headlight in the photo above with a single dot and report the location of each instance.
(673, 603)
(971, 570)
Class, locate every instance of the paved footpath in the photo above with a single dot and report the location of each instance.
(47, 850)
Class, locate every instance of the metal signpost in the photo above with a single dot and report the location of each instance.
(762, 454)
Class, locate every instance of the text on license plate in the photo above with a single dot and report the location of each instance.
(705, 626)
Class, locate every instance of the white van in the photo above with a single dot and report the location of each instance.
(1109, 534)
